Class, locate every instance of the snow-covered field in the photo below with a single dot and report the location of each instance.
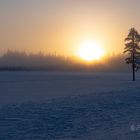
(69, 106)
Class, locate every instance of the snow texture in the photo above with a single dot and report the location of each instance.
(69, 106)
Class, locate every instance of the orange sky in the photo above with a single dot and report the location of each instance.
(61, 25)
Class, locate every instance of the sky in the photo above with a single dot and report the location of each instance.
(59, 26)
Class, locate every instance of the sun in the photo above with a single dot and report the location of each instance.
(90, 50)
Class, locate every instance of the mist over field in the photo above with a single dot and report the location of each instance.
(14, 60)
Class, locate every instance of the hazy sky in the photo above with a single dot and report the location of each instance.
(60, 25)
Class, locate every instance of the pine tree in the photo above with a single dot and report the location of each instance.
(132, 48)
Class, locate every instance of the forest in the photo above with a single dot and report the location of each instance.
(16, 60)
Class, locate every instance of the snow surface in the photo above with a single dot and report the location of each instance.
(69, 106)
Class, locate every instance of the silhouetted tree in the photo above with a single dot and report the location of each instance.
(132, 48)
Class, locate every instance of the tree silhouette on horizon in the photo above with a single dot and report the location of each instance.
(132, 48)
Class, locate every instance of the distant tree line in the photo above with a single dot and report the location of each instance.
(15, 60)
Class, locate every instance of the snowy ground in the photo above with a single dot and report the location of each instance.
(69, 106)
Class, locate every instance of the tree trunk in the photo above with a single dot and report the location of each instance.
(133, 57)
(133, 72)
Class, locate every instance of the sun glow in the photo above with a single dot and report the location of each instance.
(90, 50)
